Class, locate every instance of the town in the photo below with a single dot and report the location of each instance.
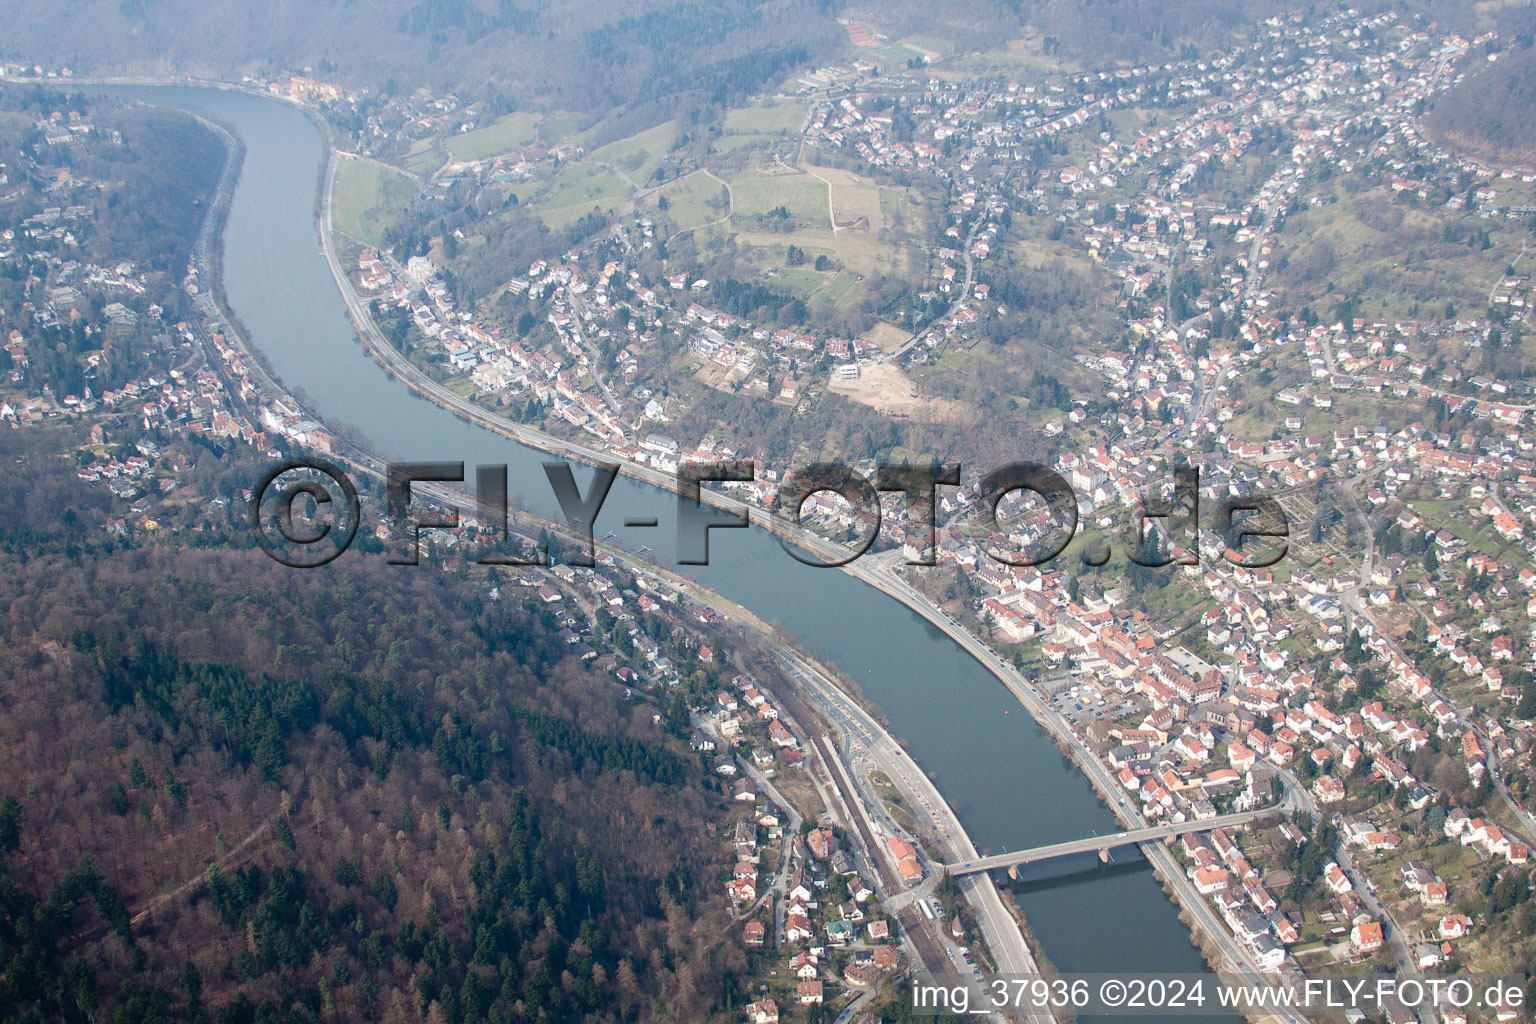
(1233, 217)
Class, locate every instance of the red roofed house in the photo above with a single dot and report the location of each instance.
(1366, 936)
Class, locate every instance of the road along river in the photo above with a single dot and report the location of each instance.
(1010, 785)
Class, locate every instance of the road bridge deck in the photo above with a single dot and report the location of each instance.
(1100, 844)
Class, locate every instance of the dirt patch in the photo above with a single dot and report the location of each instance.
(886, 389)
(888, 336)
(1396, 620)
(797, 788)
(778, 169)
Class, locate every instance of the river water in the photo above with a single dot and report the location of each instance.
(1010, 784)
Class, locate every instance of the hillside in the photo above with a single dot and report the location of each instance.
(236, 792)
(109, 186)
(1488, 114)
(567, 55)
(587, 56)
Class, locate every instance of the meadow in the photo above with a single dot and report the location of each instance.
(368, 196)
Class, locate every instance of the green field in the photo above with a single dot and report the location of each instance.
(872, 237)
(692, 202)
(574, 191)
(770, 251)
(639, 155)
(558, 128)
(805, 282)
(843, 290)
(872, 221)
(896, 53)
(756, 194)
(501, 136)
(1017, 58)
(1391, 251)
(1030, 243)
(938, 44)
(368, 196)
(760, 123)
(855, 200)
(423, 158)
(728, 144)
(802, 281)
(597, 179)
(1125, 122)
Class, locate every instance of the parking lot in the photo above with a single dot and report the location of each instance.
(1087, 700)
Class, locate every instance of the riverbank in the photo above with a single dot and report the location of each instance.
(393, 362)
(214, 304)
(1217, 946)
(1015, 791)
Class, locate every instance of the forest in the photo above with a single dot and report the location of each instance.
(1488, 112)
(159, 166)
(566, 55)
(661, 55)
(236, 792)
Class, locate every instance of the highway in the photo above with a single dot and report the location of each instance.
(1101, 844)
(877, 746)
(885, 581)
(924, 936)
(1001, 933)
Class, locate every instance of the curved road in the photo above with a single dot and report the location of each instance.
(965, 290)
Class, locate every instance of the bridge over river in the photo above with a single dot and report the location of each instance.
(1103, 844)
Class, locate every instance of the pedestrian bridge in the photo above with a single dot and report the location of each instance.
(1103, 844)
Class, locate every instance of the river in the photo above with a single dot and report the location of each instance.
(1010, 784)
